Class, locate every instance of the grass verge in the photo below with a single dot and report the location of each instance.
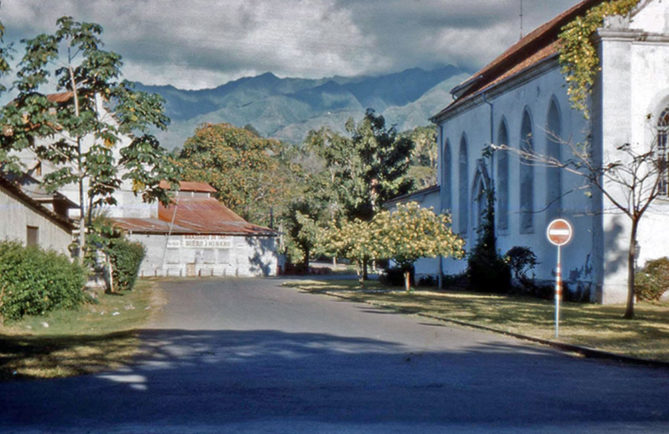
(96, 337)
(589, 325)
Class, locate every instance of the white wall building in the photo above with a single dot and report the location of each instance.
(26, 220)
(520, 99)
(199, 236)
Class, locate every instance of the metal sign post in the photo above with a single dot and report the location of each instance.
(559, 233)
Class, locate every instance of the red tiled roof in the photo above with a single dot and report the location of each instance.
(59, 97)
(536, 46)
(194, 215)
(201, 187)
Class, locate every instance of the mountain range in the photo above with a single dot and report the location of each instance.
(288, 108)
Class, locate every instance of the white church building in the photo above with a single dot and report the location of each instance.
(522, 96)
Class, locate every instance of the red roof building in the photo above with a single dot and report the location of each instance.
(197, 235)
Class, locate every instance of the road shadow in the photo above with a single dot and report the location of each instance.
(225, 377)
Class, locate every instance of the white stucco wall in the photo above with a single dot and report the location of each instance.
(183, 255)
(533, 94)
(634, 83)
(634, 88)
(16, 217)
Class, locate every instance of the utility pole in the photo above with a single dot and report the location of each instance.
(521, 19)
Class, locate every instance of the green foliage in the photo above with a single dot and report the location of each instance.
(246, 170)
(404, 235)
(301, 226)
(652, 281)
(126, 257)
(486, 269)
(578, 55)
(521, 260)
(352, 239)
(423, 166)
(80, 132)
(411, 232)
(365, 169)
(33, 281)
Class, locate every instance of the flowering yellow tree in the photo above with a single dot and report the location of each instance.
(411, 232)
(351, 239)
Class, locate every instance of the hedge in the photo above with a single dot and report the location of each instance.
(126, 257)
(34, 281)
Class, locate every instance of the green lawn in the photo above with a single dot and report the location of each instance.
(590, 325)
(98, 336)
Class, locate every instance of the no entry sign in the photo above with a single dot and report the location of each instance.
(559, 232)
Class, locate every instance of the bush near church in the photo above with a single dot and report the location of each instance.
(34, 281)
(652, 281)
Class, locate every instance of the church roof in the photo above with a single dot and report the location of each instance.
(538, 45)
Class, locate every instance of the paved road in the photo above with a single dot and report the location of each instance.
(251, 356)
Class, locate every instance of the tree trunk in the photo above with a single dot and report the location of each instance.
(631, 254)
(110, 271)
(407, 281)
(82, 221)
(306, 259)
(364, 269)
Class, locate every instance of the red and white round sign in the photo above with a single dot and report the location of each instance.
(559, 232)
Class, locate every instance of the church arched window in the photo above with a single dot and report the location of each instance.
(502, 188)
(463, 190)
(526, 178)
(446, 177)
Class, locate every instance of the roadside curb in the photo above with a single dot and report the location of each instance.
(583, 351)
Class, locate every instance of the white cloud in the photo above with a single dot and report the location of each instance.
(203, 43)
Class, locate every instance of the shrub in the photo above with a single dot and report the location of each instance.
(488, 272)
(652, 280)
(34, 281)
(521, 260)
(126, 257)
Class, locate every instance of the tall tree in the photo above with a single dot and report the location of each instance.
(367, 168)
(80, 130)
(423, 168)
(247, 170)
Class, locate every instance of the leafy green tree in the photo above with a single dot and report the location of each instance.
(247, 170)
(411, 232)
(301, 222)
(423, 167)
(79, 130)
(365, 169)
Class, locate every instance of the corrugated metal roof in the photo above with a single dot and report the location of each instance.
(201, 187)
(194, 215)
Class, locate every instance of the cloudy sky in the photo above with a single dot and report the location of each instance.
(204, 43)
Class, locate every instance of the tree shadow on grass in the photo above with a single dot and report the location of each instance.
(29, 357)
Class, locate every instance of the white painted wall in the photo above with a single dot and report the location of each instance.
(229, 256)
(16, 217)
(633, 83)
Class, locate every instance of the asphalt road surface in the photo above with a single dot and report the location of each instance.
(252, 356)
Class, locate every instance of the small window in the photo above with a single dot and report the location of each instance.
(32, 236)
(662, 133)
